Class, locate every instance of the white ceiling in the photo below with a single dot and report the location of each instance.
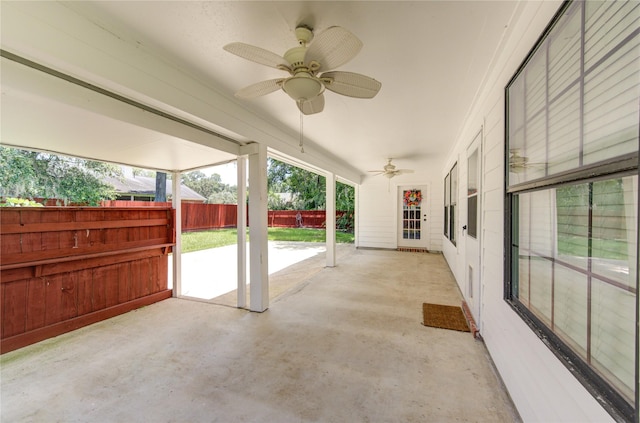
(430, 56)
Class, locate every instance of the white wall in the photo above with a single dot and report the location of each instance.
(377, 207)
(376, 210)
(540, 385)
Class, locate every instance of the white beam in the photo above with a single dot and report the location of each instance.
(242, 231)
(331, 219)
(258, 257)
(176, 202)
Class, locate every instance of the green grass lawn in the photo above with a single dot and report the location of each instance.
(202, 240)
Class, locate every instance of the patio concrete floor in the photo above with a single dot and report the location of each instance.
(342, 344)
(212, 273)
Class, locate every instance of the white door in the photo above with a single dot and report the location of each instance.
(412, 217)
(471, 229)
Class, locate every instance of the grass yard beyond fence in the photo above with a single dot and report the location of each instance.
(202, 240)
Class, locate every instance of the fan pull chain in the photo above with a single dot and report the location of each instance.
(301, 132)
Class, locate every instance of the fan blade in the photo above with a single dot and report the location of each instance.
(351, 84)
(401, 171)
(335, 46)
(309, 107)
(258, 55)
(377, 172)
(260, 88)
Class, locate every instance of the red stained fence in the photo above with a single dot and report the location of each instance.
(309, 218)
(199, 216)
(195, 216)
(66, 267)
(131, 203)
(211, 216)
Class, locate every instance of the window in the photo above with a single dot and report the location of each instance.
(472, 193)
(450, 202)
(572, 195)
(447, 203)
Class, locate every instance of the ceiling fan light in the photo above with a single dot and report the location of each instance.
(302, 87)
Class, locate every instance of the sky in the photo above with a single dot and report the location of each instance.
(228, 172)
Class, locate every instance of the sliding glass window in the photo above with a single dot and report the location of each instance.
(572, 192)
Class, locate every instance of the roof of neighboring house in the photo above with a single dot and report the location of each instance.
(145, 185)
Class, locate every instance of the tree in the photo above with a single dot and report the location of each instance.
(30, 174)
(143, 172)
(345, 202)
(161, 187)
(308, 189)
(308, 192)
(223, 197)
(211, 187)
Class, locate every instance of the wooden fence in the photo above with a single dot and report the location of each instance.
(199, 216)
(66, 267)
(308, 218)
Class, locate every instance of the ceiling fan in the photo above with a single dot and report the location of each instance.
(389, 170)
(310, 67)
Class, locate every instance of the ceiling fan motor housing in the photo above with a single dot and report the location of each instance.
(302, 86)
(295, 56)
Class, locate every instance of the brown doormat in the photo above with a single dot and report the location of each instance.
(445, 317)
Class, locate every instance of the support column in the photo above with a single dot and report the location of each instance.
(356, 212)
(176, 203)
(331, 219)
(258, 257)
(242, 231)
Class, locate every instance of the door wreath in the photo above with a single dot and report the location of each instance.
(412, 197)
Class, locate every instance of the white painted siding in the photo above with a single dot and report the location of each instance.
(377, 208)
(540, 385)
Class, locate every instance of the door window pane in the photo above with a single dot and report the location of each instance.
(412, 204)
